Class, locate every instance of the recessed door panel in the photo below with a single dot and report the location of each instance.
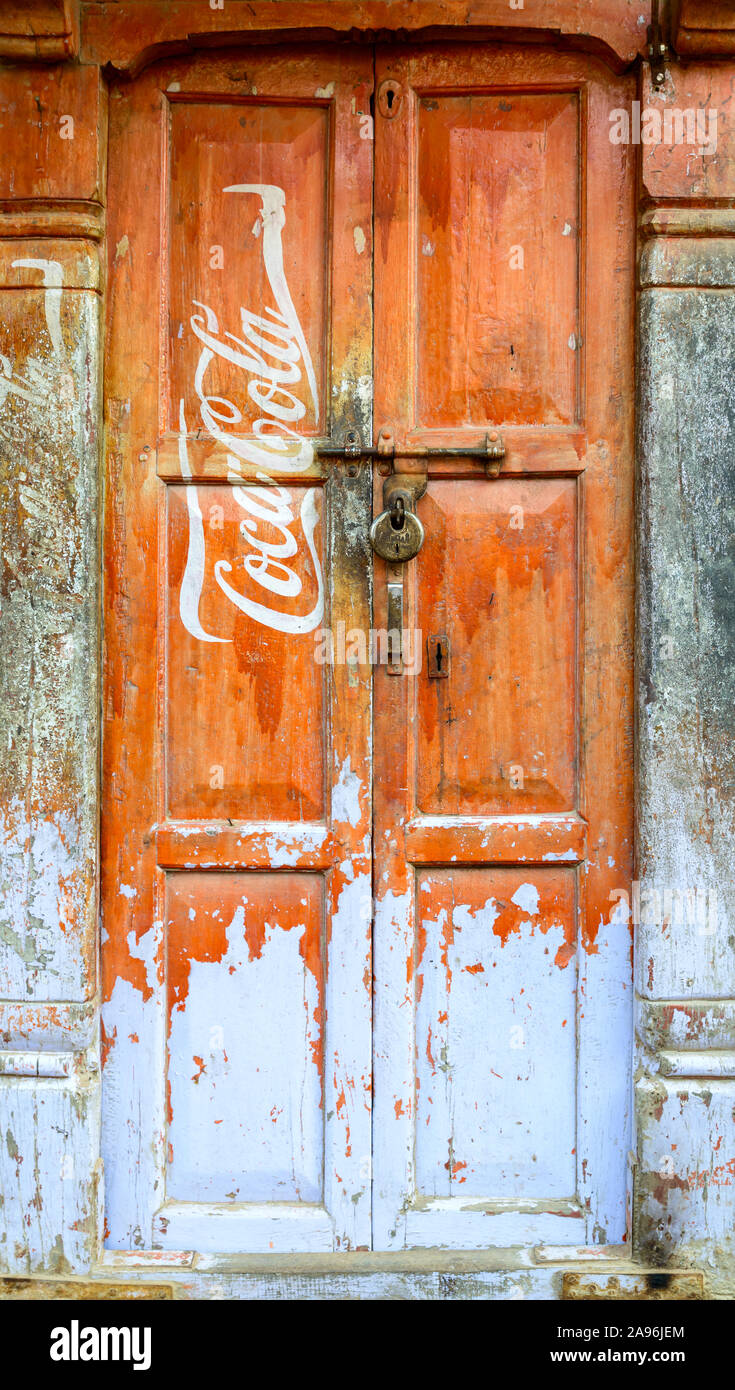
(245, 1116)
(496, 1033)
(238, 743)
(499, 568)
(247, 240)
(498, 190)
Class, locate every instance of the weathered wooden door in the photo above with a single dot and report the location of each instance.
(285, 1068)
(237, 773)
(503, 778)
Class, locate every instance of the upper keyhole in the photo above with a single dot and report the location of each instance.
(389, 98)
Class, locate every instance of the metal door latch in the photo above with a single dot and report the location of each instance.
(658, 52)
(491, 451)
(397, 534)
(494, 453)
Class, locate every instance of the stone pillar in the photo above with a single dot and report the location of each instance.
(51, 120)
(684, 1210)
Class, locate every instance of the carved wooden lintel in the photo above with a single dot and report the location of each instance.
(44, 31)
(128, 35)
(48, 30)
(62, 218)
(704, 28)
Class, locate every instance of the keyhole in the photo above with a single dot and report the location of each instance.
(438, 653)
(389, 98)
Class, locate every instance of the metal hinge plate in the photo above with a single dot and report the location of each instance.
(656, 1285)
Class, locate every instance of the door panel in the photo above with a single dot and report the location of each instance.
(495, 1032)
(499, 567)
(503, 796)
(259, 1141)
(269, 747)
(491, 169)
(237, 782)
(215, 201)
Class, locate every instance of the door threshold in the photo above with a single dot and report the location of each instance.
(579, 1275)
(489, 1260)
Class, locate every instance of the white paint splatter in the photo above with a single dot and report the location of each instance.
(53, 279)
(346, 796)
(527, 898)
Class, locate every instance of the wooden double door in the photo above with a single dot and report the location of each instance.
(366, 968)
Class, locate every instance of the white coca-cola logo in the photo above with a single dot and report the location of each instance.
(273, 354)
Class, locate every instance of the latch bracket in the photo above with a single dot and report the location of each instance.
(658, 50)
(491, 451)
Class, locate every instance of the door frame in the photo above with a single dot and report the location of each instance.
(50, 1037)
(599, 1201)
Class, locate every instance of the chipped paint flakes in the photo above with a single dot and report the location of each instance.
(527, 898)
(346, 796)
